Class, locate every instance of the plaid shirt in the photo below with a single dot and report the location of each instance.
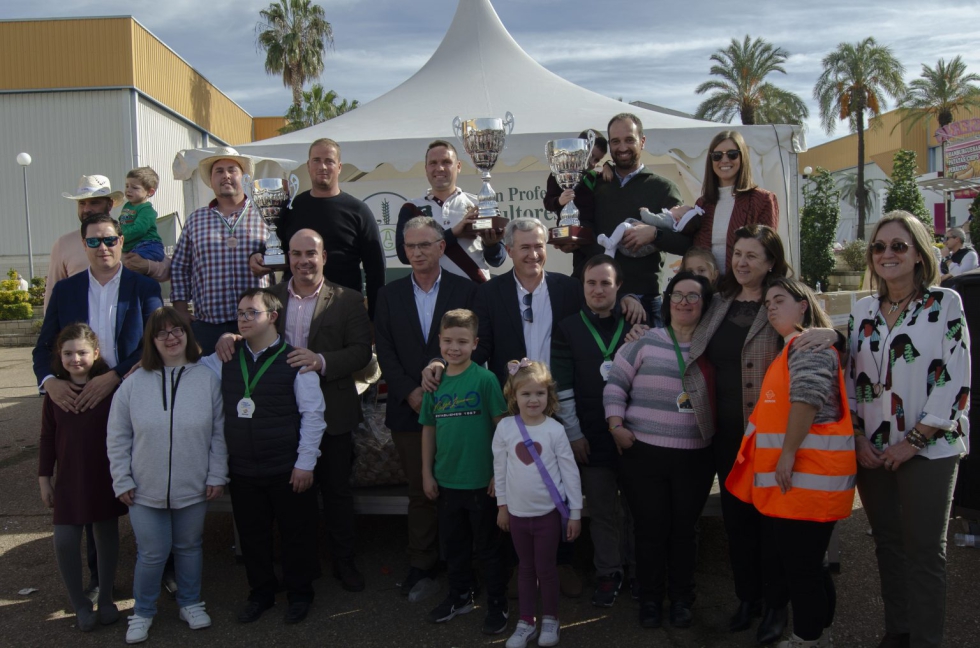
(208, 272)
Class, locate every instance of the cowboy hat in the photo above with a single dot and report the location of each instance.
(367, 376)
(95, 186)
(223, 153)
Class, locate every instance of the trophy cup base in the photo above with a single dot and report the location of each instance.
(571, 234)
(277, 261)
(497, 223)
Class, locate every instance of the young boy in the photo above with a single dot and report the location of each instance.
(138, 218)
(268, 405)
(458, 421)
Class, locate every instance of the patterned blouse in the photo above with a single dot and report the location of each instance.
(919, 371)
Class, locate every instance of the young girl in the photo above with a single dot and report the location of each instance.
(701, 261)
(82, 493)
(533, 466)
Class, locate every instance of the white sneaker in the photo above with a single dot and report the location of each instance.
(195, 616)
(523, 635)
(139, 629)
(550, 629)
(796, 642)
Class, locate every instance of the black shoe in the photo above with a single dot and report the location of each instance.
(742, 618)
(496, 621)
(346, 572)
(453, 604)
(773, 625)
(634, 588)
(297, 611)
(252, 611)
(607, 589)
(680, 614)
(412, 578)
(651, 614)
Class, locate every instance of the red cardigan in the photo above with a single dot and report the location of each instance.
(753, 206)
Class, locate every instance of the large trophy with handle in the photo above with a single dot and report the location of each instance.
(269, 196)
(483, 140)
(569, 159)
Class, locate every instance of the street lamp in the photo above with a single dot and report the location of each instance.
(24, 160)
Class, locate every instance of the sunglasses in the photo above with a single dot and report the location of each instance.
(733, 154)
(527, 314)
(95, 241)
(898, 247)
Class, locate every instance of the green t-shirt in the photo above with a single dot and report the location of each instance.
(462, 411)
(138, 223)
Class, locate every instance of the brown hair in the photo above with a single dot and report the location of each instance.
(77, 331)
(438, 143)
(771, 243)
(813, 316)
(269, 299)
(460, 318)
(101, 218)
(328, 142)
(600, 141)
(701, 253)
(926, 272)
(743, 181)
(627, 117)
(146, 176)
(536, 371)
(151, 360)
(601, 260)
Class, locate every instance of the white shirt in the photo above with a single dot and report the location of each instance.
(719, 227)
(537, 334)
(448, 214)
(103, 305)
(967, 263)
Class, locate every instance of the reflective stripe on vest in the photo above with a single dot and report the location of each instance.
(808, 481)
(811, 442)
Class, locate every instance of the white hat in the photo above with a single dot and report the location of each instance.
(368, 375)
(223, 153)
(95, 186)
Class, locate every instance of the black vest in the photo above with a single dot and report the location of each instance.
(589, 383)
(266, 444)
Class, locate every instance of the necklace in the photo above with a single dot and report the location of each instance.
(896, 304)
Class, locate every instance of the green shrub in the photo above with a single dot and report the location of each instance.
(10, 297)
(975, 221)
(854, 254)
(818, 227)
(16, 312)
(9, 284)
(903, 192)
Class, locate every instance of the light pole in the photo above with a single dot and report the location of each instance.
(24, 160)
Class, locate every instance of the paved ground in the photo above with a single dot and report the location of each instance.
(379, 616)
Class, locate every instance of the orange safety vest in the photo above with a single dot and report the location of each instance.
(825, 468)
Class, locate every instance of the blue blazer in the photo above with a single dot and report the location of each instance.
(138, 297)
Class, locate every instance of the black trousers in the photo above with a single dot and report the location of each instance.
(468, 518)
(257, 502)
(800, 548)
(333, 470)
(666, 489)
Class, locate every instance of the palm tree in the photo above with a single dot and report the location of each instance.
(741, 89)
(318, 106)
(847, 184)
(940, 92)
(294, 35)
(855, 79)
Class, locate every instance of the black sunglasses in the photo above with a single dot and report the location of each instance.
(527, 313)
(94, 241)
(898, 247)
(733, 154)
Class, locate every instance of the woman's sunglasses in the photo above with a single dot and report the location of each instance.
(734, 154)
(898, 247)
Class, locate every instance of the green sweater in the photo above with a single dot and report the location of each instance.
(139, 223)
(614, 204)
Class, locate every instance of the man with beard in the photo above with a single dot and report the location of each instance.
(632, 187)
(348, 228)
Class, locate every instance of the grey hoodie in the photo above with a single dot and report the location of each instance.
(166, 436)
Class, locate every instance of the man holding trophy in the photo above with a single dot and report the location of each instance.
(210, 263)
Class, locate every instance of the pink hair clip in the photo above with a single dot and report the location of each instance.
(514, 366)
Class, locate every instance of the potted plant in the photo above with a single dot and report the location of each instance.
(851, 275)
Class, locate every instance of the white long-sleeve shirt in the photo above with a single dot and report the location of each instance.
(517, 480)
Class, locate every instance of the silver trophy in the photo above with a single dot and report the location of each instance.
(569, 159)
(483, 140)
(270, 196)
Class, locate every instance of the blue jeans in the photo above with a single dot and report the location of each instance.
(158, 532)
(149, 250)
(652, 304)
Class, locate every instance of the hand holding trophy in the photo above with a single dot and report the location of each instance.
(483, 140)
(569, 159)
(269, 196)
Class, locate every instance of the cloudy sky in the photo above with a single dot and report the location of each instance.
(631, 50)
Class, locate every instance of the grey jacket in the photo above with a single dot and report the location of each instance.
(166, 436)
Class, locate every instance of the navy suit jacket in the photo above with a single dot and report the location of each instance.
(501, 326)
(138, 297)
(402, 350)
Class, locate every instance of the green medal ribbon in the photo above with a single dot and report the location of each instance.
(249, 386)
(677, 349)
(606, 351)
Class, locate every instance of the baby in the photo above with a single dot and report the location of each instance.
(682, 218)
(138, 219)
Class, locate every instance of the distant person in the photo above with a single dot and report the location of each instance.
(138, 218)
(701, 261)
(961, 258)
(22, 283)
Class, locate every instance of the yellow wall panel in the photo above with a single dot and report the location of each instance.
(267, 127)
(880, 145)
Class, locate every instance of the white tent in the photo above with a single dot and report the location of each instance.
(480, 71)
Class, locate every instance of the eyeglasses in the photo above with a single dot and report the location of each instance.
(950, 238)
(898, 247)
(690, 298)
(422, 247)
(733, 154)
(94, 241)
(249, 315)
(177, 332)
(527, 314)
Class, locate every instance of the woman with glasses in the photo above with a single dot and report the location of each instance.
(168, 458)
(730, 198)
(908, 386)
(667, 467)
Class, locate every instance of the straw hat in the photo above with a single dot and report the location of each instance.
(223, 153)
(95, 186)
(370, 374)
